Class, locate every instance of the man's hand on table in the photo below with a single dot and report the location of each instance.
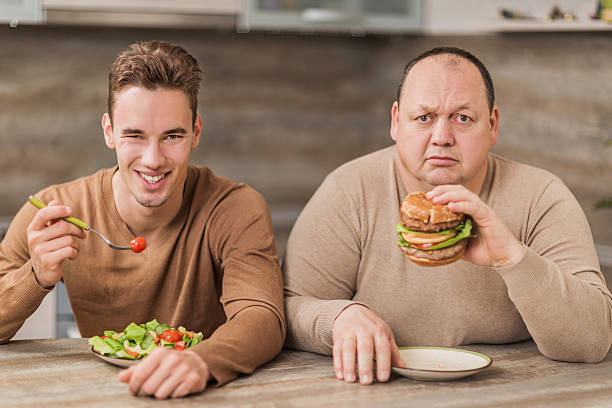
(167, 373)
(359, 335)
(52, 240)
(494, 244)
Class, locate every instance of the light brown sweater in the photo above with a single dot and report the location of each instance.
(213, 269)
(343, 250)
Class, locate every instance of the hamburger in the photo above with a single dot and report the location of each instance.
(431, 234)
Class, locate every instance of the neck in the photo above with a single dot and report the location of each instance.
(141, 220)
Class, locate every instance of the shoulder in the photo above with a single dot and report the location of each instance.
(366, 172)
(518, 186)
(516, 172)
(217, 193)
(377, 161)
(520, 180)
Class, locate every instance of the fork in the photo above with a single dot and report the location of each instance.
(134, 244)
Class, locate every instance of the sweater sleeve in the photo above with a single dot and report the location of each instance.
(557, 287)
(242, 241)
(20, 293)
(320, 267)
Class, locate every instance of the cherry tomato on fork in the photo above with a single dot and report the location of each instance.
(138, 244)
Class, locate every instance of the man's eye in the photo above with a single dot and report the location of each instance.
(463, 118)
(423, 118)
(174, 137)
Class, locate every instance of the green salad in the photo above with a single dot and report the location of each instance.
(139, 340)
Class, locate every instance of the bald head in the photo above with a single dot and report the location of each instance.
(453, 56)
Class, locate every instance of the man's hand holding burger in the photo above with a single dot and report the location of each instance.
(494, 245)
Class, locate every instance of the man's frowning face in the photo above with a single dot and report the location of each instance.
(442, 124)
(153, 136)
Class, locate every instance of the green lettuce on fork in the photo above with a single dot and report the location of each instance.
(138, 341)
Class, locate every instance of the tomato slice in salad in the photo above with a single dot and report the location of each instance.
(171, 336)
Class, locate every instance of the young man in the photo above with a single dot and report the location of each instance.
(210, 264)
(531, 269)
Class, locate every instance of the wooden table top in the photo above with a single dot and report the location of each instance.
(65, 373)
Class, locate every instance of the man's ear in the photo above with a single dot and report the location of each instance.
(197, 131)
(494, 121)
(107, 127)
(394, 120)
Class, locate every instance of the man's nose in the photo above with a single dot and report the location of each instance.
(152, 157)
(442, 134)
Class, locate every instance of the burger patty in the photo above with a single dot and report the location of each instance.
(417, 225)
(436, 254)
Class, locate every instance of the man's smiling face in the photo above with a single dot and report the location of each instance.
(153, 135)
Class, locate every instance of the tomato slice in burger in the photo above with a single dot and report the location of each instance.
(424, 246)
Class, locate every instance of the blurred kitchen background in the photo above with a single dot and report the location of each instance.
(295, 88)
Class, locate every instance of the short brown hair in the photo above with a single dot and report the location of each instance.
(152, 65)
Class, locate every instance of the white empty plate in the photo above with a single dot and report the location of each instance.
(440, 363)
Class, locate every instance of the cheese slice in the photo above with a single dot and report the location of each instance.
(425, 238)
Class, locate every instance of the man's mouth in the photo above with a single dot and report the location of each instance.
(152, 179)
(441, 160)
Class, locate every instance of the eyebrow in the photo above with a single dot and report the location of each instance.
(176, 130)
(129, 131)
(423, 107)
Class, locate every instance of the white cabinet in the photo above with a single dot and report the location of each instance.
(351, 16)
(21, 11)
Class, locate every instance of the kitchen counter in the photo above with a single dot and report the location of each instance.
(65, 372)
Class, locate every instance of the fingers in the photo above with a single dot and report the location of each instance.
(458, 198)
(125, 375)
(382, 348)
(180, 376)
(143, 370)
(348, 358)
(167, 373)
(495, 245)
(337, 361)
(396, 359)
(359, 335)
(52, 211)
(365, 356)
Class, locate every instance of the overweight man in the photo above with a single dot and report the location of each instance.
(529, 271)
(210, 264)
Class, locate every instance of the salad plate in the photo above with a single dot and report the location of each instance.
(121, 362)
(137, 341)
(440, 363)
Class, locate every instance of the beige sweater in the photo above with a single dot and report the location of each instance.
(213, 269)
(343, 250)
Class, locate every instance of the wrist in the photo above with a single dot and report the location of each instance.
(516, 255)
(201, 366)
(41, 283)
(345, 309)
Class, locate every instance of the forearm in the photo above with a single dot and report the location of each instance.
(20, 296)
(251, 338)
(310, 322)
(568, 315)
